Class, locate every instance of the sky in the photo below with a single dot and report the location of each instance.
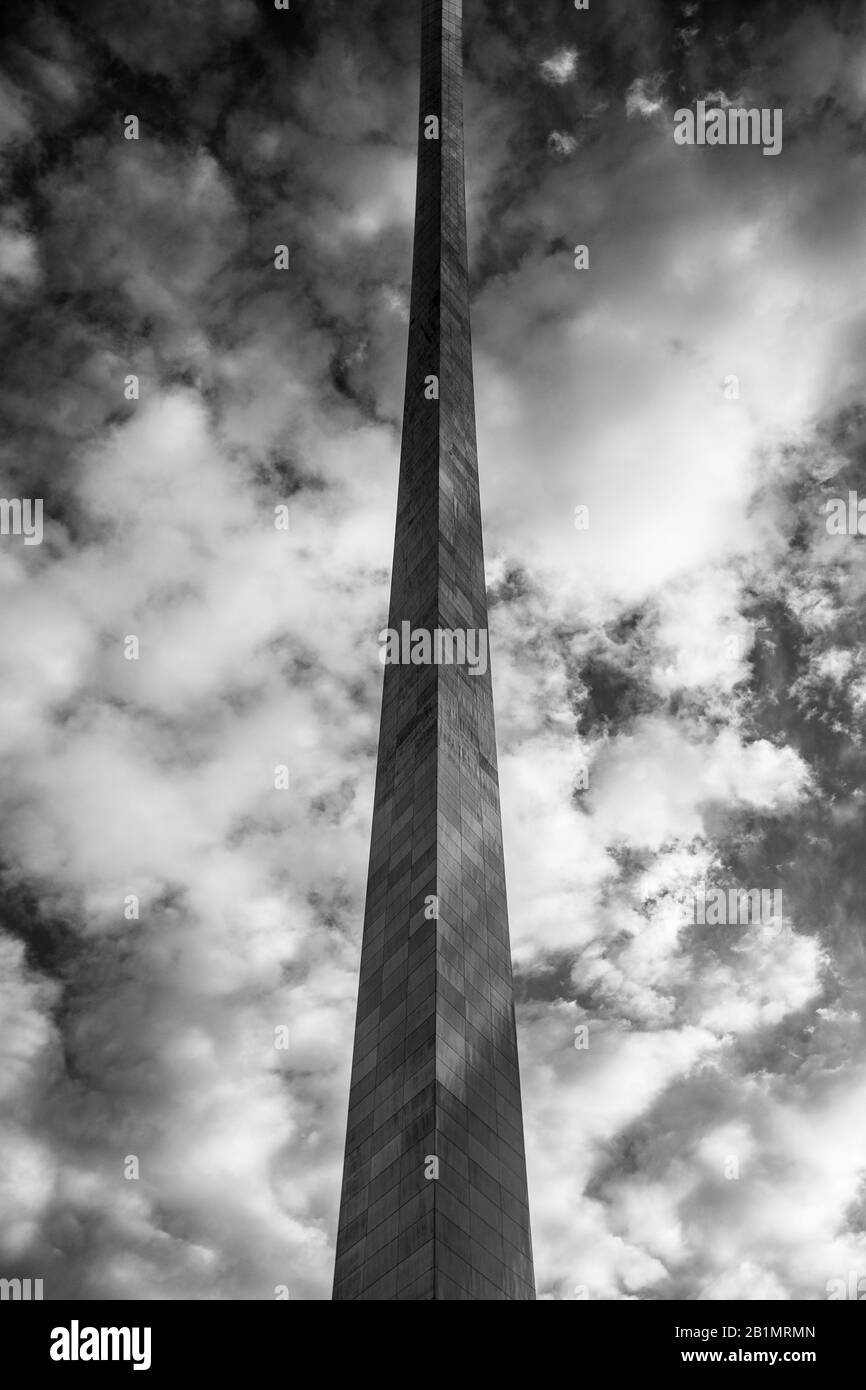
(680, 686)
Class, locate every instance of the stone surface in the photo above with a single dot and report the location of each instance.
(435, 1069)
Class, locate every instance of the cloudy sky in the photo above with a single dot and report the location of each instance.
(698, 652)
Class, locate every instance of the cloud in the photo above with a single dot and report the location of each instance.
(561, 67)
(19, 261)
(643, 96)
(560, 142)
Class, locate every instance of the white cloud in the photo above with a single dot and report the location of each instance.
(19, 259)
(561, 67)
(643, 96)
(561, 142)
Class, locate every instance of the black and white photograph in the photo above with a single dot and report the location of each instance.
(433, 697)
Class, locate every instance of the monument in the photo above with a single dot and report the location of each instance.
(434, 1200)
